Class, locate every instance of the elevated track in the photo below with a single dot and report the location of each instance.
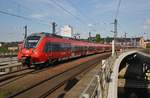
(50, 79)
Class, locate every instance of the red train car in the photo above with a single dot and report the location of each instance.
(45, 48)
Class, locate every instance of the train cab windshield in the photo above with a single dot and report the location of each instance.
(31, 41)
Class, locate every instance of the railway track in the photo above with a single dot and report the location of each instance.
(45, 87)
(10, 77)
(61, 90)
(13, 76)
(83, 71)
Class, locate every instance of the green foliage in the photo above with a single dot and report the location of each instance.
(148, 45)
(108, 39)
(3, 49)
(5, 45)
(1, 95)
(98, 38)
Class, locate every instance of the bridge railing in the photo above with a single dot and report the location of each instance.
(10, 68)
(147, 51)
(7, 61)
(8, 54)
(98, 86)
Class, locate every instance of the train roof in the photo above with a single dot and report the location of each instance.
(75, 41)
(54, 35)
(44, 34)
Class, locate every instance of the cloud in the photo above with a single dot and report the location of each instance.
(90, 25)
(38, 16)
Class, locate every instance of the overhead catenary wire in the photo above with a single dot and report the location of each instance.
(20, 5)
(23, 17)
(26, 8)
(58, 5)
(118, 8)
(15, 15)
(68, 12)
(73, 5)
(40, 21)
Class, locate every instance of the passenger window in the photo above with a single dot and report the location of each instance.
(54, 46)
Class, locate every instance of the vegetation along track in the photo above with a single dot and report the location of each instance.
(45, 86)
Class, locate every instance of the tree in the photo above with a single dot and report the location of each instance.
(148, 45)
(98, 38)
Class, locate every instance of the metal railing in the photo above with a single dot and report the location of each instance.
(10, 68)
(8, 60)
(98, 86)
(147, 51)
(8, 65)
(8, 54)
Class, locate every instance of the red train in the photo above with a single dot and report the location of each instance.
(45, 48)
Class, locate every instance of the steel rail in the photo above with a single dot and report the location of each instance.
(32, 90)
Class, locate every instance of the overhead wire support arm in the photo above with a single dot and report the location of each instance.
(54, 28)
(116, 20)
(25, 35)
(116, 25)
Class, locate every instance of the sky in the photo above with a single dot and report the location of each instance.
(95, 16)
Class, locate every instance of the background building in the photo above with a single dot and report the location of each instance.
(136, 42)
(67, 31)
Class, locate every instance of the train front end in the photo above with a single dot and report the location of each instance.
(31, 51)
